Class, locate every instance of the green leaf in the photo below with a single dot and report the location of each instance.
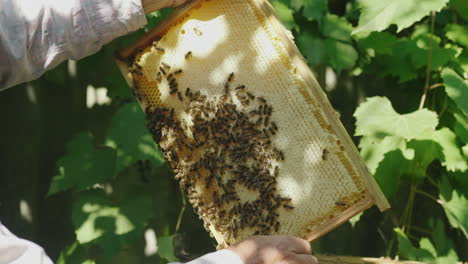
(456, 88)
(454, 203)
(312, 47)
(461, 6)
(440, 55)
(73, 254)
(399, 63)
(109, 225)
(337, 28)
(451, 156)
(376, 117)
(457, 33)
(388, 175)
(408, 251)
(444, 247)
(340, 55)
(314, 9)
(380, 42)
(83, 166)
(284, 13)
(462, 60)
(373, 149)
(130, 137)
(378, 15)
(166, 248)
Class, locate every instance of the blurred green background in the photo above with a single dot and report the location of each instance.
(73, 170)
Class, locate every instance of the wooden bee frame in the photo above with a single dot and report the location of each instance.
(309, 90)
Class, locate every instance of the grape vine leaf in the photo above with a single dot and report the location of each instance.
(313, 9)
(284, 13)
(377, 118)
(408, 251)
(75, 253)
(461, 6)
(340, 55)
(108, 225)
(440, 55)
(441, 251)
(444, 247)
(456, 88)
(380, 42)
(454, 203)
(83, 166)
(130, 137)
(166, 248)
(450, 155)
(378, 15)
(337, 28)
(457, 34)
(461, 126)
(409, 140)
(313, 48)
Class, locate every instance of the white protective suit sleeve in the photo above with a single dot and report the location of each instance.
(14, 250)
(36, 35)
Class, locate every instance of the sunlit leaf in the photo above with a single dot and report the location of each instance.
(457, 33)
(107, 224)
(454, 203)
(166, 248)
(130, 137)
(376, 117)
(456, 88)
(378, 15)
(451, 156)
(83, 165)
(407, 251)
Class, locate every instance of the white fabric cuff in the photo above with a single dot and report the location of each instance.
(223, 256)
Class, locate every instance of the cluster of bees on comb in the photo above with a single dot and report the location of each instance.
(220, 147)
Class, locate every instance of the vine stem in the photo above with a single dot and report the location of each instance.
(181, 213)
(429, 63)
(429, 196)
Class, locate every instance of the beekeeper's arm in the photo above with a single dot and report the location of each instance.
(37, 35)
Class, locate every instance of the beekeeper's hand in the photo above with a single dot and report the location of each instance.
(274, 250)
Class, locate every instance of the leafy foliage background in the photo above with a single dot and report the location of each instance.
(89, 184)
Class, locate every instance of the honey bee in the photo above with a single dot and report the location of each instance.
(231, 77)
(165, 65)
(261, 99)
(188, 55)
(179, 95)
(179, 71)
(287, 206)
(160, 50)
(158, 76)
(240, 87)
(340, 203)
(325, 153)
(162, 70)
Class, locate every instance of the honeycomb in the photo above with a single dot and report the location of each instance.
(253, 148)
